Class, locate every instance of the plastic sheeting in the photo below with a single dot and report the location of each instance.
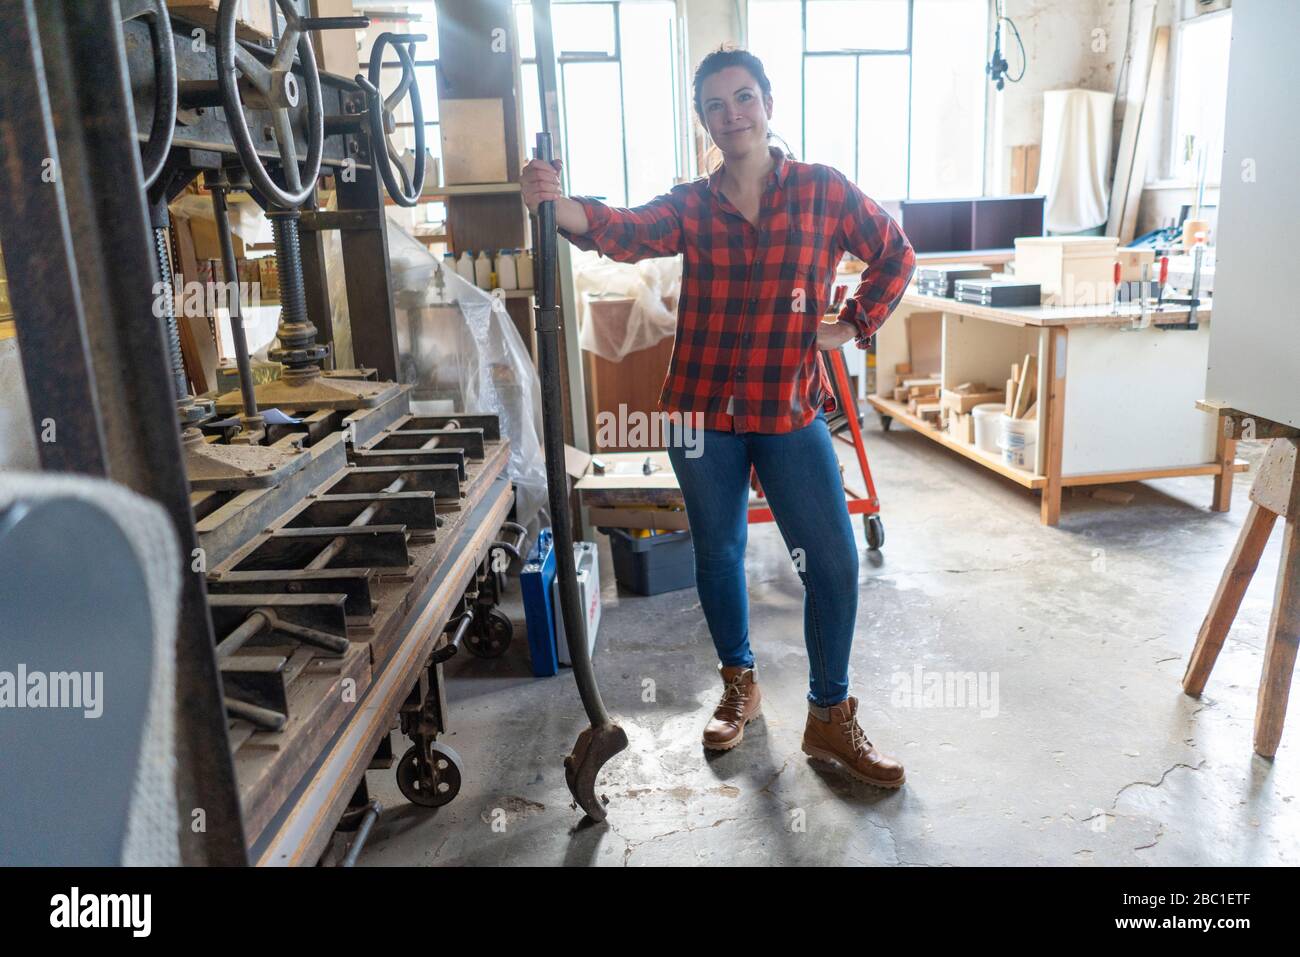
(648, 282)
(459, 350)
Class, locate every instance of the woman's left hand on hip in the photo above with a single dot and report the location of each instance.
(832, 335)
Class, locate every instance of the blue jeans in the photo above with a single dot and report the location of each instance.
(800, 476)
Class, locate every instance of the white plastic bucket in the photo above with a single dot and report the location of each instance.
(986, 425)
(1018, 440)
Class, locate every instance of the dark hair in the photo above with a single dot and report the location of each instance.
(718, 61)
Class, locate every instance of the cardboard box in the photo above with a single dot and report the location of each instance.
(1072, 270)
(253, 21)
(473, 141)
(336, 50)
(661, 520)
(206, 243)
(623, 495)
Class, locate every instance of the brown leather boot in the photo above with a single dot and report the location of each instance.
(832, 734)
(739, 706)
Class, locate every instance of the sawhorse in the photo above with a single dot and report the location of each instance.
(1274, 494)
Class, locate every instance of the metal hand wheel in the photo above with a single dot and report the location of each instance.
(153, 155)
(277, 89)
(380, 114)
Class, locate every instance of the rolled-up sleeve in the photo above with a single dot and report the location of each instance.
(870, 234)
(630, 235)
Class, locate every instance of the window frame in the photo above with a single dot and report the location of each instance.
(564, 59)
(1173, 167)
(857, 54)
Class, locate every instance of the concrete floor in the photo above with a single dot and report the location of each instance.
(1082, 751)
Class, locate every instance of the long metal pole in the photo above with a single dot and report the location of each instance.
(603, 739)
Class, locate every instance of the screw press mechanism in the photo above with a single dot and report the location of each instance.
(276, 88)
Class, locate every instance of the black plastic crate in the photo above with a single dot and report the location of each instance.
(650, 566)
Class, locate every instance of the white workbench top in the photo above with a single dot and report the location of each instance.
(1054, 315)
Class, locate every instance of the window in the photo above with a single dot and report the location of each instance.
(620, 95)
(890, 92)
(1200, 96)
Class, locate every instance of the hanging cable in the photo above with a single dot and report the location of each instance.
(997, 67)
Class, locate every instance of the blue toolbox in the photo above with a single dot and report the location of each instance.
(547, 645)
(536, 584)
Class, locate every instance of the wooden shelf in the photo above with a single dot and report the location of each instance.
(470, 189)
(898, 412)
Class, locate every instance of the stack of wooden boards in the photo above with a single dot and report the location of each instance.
(919, 392)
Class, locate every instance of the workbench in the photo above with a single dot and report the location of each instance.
(1114, 405)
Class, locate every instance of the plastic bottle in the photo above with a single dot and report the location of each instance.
(507, 278)
(465, 266)
(524, 268)
(483, 270)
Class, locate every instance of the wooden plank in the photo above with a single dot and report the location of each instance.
(1134, 95)
(1143, 475)
(925, 342)
(1146, 138)
(1033, 159)
(1274, 486)
(1026, 386)
(198, 345)
(1243, 425)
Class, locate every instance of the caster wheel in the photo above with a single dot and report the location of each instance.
(885, 422)
(491, 634)
(443, 782)
(875, 530)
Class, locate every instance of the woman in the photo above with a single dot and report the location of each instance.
(760, 239)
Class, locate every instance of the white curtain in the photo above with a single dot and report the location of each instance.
(1075, 158)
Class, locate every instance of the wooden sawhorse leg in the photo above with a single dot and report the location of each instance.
(1279, 653)
(1227, 599)
(1276, 492)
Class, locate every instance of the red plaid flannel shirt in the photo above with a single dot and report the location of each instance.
(745, 355)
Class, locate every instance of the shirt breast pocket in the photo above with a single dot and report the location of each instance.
(816, 298)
